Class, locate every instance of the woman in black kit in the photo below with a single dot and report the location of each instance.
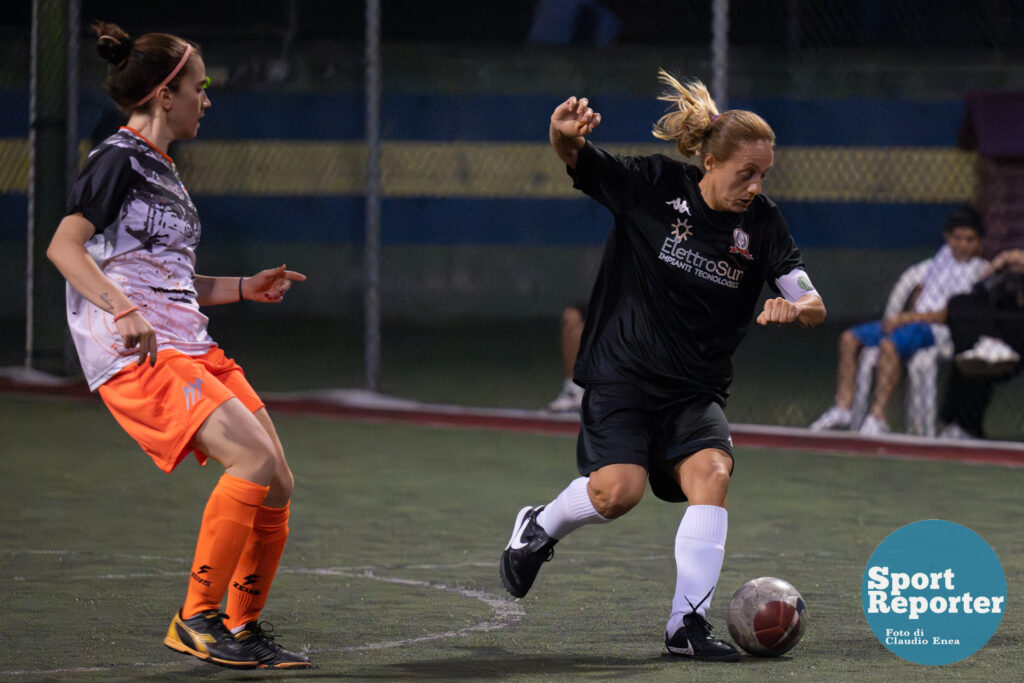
(681, 276)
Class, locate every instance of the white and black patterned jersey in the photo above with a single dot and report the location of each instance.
(147, 230)
(678, 282)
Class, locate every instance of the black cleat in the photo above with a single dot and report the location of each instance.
(204, 636)
(694, 640)
(260, 645)
(527, 550)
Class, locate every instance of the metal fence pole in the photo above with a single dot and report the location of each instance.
(48, 112)
(720, 53)
(371, 252)
(71, 148)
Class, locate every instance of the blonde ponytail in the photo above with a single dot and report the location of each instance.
(696, 126)
(690, 117)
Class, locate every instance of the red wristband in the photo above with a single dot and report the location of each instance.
(125, 312)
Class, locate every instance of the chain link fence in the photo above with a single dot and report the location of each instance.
(866, 97)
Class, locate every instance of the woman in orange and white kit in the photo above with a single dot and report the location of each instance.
(127, 249)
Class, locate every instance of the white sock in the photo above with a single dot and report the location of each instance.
(700, 549)
(569, 511)
(571, 388)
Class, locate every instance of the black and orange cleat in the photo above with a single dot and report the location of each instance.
(204, 636)
(257, 642)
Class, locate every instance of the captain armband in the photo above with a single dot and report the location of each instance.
(795, 284)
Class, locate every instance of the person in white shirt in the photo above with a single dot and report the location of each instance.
(953, 270)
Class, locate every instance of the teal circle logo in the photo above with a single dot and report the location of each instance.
(934, 592)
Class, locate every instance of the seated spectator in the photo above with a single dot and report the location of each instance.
(953, 270)
(987, 325)
(570, 398)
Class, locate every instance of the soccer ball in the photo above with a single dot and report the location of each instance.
(767, 617)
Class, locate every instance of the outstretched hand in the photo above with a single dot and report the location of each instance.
(574, 118)
(270, 285)
(778, 311)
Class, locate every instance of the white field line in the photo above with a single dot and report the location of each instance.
(504, 611)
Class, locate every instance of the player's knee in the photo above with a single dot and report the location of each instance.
(261, 459)
(707, 484)
(616, 498)
(716, 478)
(615, 506)
(282, 485)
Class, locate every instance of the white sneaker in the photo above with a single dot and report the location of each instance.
(954, 431)
(833, 418)
(989, 357)
(872, 426)
(569, 399)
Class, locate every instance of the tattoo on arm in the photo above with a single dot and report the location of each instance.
(106, 300)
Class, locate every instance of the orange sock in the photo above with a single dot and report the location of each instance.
(227, 523)
(257, 566)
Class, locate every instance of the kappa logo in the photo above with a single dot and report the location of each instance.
(740, 244)
(680, 205)
(193, 393)
(687, 229)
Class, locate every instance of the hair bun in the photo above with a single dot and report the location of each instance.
(114, 50)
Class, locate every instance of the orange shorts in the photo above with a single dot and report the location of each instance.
(163, 406)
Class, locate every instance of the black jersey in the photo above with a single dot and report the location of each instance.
(679, 281)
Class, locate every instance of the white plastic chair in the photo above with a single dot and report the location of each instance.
(922, 368)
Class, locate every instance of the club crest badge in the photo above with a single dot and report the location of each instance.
(741, 244)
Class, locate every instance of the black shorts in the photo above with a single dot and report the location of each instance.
(620, 423)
